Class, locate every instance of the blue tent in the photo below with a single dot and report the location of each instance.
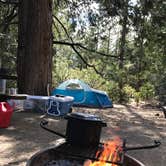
(83, 94)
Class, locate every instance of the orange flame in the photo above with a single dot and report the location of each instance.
(110, 152)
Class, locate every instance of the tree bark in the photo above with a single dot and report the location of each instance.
(34, 57)
(122, 47)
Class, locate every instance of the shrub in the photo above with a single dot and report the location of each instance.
(147, 91)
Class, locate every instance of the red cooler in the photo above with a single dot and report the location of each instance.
(5, 114)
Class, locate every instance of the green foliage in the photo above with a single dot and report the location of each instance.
(147, 91)
(65, 69)
(137, 97)
(114, 91)
(144, 58)
(97, 25)
(8, 38)
(8, 42)
(129, 91)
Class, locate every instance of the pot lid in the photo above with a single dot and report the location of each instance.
(84, 116)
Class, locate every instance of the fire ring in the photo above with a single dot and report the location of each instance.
(49, 154)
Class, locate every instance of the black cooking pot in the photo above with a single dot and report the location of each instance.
(82, 129)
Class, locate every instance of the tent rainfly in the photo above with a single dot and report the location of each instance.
(83, 94)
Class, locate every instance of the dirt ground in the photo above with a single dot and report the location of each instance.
(138, 125)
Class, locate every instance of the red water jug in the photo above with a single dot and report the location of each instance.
(5, 114)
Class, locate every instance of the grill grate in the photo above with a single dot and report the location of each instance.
(63, 163)
(72, 153)
(66, 154)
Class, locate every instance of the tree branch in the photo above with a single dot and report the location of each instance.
(59, 34)
(72, 45)
(83, 47)
(63, 27)
(89, 65)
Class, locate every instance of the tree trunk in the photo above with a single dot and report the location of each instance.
(122, 47)
(34, 58)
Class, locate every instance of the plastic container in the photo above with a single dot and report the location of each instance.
(5, 114)
(40, 106)
(16, 104)
(28, 104)
(59, 106)
(2, 86)
(53, 105)
(12, 91)
(36, 103)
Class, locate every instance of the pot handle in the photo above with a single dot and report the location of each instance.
(155, 145)
(43, 124)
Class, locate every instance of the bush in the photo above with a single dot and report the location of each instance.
(147, 91)
(129, 91)
(114, 92)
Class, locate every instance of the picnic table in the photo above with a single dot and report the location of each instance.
(5, 97)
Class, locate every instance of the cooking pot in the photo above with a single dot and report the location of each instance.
(82, 129)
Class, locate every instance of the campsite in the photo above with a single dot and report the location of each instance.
(82, 83)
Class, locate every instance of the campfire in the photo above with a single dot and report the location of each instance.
(110, 153)
(82, 146)
(68, 155)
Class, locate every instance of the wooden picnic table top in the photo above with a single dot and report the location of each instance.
(4, 97)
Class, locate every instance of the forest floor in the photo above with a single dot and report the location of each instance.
(138, 125)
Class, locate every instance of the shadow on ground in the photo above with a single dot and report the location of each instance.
(138, 126)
